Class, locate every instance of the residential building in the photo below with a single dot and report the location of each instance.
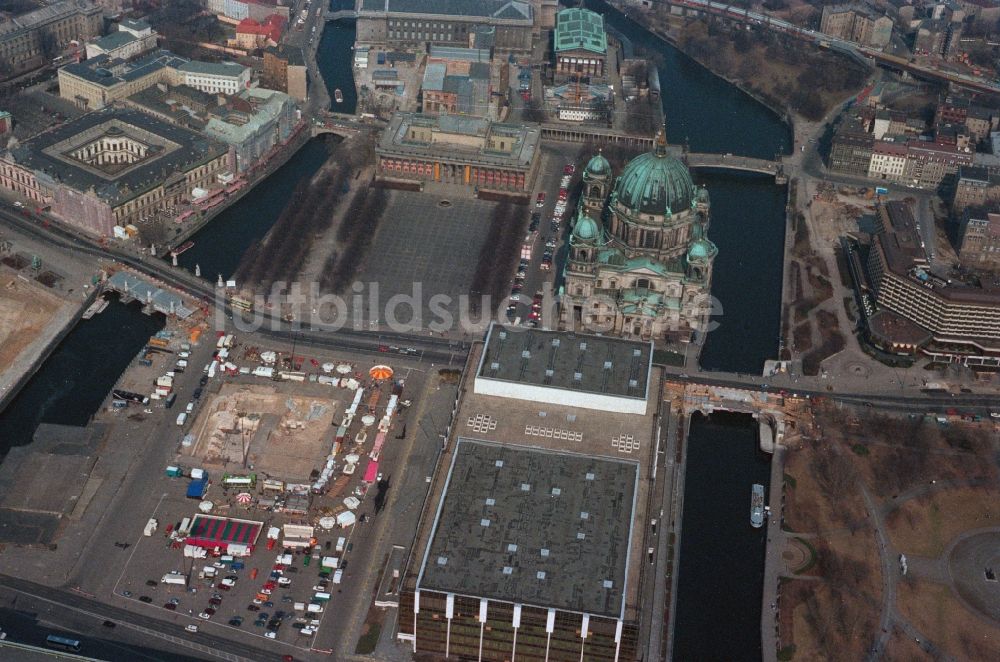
(213, 77)
(976, 186)
(889, 123)
(646, 272)
(131, 39)
(980, 121)
(100, 81)
(459, 150)
(888, 160)
(581, 45)
(285, 71)
(851, 152)
(252, 34)
(33, 39)
(457, 80)
(979, 239)
(112, 168)
(420, 22)
(252, 123)
(937, 37)
(959, 311)
(529, 545)
(933, 166)
(858, 23)
(234, 11)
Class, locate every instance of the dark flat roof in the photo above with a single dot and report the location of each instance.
(534, 527)
(176, 150)
(562, 359)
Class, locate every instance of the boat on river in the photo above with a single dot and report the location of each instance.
(338, 95)
(757, 506)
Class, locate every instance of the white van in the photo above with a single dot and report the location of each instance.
(341, 541)
(182, 418)
(338, 576)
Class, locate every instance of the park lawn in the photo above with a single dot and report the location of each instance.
(902, 648)
(937, 613)
(809, 508)
(924, 526)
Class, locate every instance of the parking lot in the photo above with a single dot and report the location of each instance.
(293, 521)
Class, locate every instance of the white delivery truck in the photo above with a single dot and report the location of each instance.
(341, 541)
(174, 578)
(150, 527)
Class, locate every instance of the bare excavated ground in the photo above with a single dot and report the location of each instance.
(26, 309)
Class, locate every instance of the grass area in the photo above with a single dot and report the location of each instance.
(936, 612)
(368, 640)
(920, 527)
(667, 357)
(786, 653)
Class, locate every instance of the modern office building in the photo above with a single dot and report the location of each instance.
(459, 150)
(959, 310)
(533, 542)
(112, 168)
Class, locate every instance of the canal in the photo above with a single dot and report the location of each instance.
(335, 58)
(721, 571)
(71, 385)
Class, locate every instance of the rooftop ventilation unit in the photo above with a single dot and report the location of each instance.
(549, 372)
(589, 476)
(525, 487)
(556, 491)
(484, 522)
(498, 463)
(607, 583)
(577, 376)
(491, 501)
(636, 352)
(580, 535)
(544, 552)
(507, 570)
(633, 383)
(495, 365)
(442, 560)
(526, 354)
(512, 547)
(607, 365)
(540, 574)
(555, 342)
(583, 515)
(502, 334)
(583, 347)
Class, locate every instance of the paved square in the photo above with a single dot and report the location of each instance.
(420, 241)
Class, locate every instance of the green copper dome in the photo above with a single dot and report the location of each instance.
(598, 165)
(654, 182)
(585, 228)
(701, 249)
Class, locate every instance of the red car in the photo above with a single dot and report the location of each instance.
(569, 169)
(540, 200)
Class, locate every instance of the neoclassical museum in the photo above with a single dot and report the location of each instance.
(640, 262)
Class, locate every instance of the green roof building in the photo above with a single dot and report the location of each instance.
(581, 45)
(645, 270)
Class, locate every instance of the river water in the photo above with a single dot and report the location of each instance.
(70, 387)
(721, 570)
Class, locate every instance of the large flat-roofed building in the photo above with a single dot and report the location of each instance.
(975, 186)
(581, 45)
(102, 80)
(960, 311)
(459, 150)
(32, 39)
(132, 38)
(445, 22)
(215, 77)
(532, 543)
(112, 168)
(593, 372)
(979, 239)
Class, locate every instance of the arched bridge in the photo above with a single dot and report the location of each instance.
(730, 162)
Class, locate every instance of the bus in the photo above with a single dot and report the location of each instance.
(230, 480)
(62, 643)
